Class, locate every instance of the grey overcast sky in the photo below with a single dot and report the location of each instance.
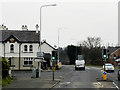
(75, 19)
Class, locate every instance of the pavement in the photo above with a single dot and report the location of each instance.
(23, 80)
(33, 83)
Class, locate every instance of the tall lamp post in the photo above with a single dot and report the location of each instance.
(39, 64)
(58, 45)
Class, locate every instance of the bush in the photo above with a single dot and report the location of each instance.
(6, 81)
(5, 72)
(5, 68)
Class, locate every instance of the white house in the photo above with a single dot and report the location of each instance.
(20, 47)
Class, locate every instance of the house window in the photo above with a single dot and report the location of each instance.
(31, 48)
(28, 61)
(12, 48)
(25, 48)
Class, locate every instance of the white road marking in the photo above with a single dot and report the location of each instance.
(87, 68)
(65, 83)
(68, 82)
(95, 68)
(100, 84)
(116, 86)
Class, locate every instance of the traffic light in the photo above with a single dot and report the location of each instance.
(114, 56)
(53, 54)
(56, 56)
(104, 53)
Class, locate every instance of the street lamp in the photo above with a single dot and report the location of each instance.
(41, 19)
(39, 64)
(58, 45)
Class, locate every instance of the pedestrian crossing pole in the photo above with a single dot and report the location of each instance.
(53, 70)
(53, 59)
(104, 54)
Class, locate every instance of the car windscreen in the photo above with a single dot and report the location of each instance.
(108, 65)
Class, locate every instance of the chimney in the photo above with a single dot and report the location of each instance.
(24, 27)
(2, 27)
(37, 28)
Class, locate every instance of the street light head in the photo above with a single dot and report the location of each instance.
(53, 5)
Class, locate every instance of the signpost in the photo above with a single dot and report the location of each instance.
(39, 59)
(40, 54)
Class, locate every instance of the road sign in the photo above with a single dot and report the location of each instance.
(40, 54)
(53, 68)
(38, 60)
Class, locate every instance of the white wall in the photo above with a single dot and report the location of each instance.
(1, 50)
(16, 50)
(46, 49)
(35, 50)
(7, 50)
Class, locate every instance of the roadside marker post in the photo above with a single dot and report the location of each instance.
(104, 75)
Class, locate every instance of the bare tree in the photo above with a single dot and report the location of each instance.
(92, 42)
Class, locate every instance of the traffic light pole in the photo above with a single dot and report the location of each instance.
(53, 70)
(104, 54)
(104, 64)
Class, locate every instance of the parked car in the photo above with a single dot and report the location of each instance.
(108, 67)
(79, 64)
(119, 74)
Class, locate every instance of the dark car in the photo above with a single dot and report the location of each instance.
(119, 74)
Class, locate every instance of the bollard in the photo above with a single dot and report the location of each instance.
(104, 75)
(33, 72)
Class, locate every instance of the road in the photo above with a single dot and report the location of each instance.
(89, 78)
(69, 78)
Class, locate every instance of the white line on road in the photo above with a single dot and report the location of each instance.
(100, 84)
(87, 68)
(95, 68)
(116, 86)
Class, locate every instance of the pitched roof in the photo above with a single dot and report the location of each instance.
(21, 36)
(112, 49)
(115, 51)
(48, 44)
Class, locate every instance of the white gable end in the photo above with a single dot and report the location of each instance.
(46, 48)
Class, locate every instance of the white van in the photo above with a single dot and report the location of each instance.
(79, 64)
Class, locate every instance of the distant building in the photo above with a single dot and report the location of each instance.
(116, 54)
(110, 50)
(113, 54)
(20, 47)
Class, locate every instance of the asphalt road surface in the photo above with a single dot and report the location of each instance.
(89, 78)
